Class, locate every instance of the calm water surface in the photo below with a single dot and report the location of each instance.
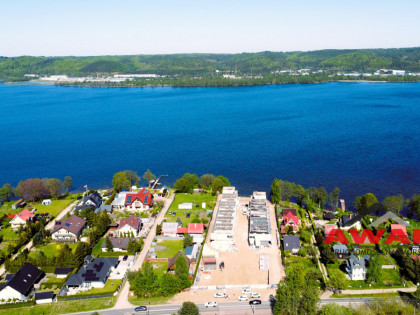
(361, 137)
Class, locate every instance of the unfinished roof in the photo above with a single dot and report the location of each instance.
(259, 214)
(226, 211)
(387, 216)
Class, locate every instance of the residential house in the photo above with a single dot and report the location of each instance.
(341, 251)
(92, 274)
(44, 297)
(61, 273)
(21, 284)
(119, 244)
(140, 201)
(328, 228)
(289, 220)
(93, 200)
(356, 267)
(169, 229)
(171, 261)
(21, 219)
(129, 227)
(328, 215)
(291, 243)
(387, 216)
(289, 210)
(112, 227)
(68, 230)
(17, 204)
(196, 230)
(192, 252)
(348, 221)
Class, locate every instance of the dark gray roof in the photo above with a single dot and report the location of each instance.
(24, 279)
(387, 216)
(44, 295)
(97, 270)
(328, 216)
(63, 271)
(9, 276)
(291, 242)
(357, 263)
(93, 200)
(118, 242)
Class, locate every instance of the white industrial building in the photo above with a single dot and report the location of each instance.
(259, 229)
(222, 235)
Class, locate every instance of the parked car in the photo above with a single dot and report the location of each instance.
(246, 291)
(174, 213)
(254, 302)
(243, 298)
(188, 215)
(125, 258)
(140, 309)
(210, 304)
(170, 212)
(255, 295)
(220, 295)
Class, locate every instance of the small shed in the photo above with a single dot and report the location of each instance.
(62, 272)
(44, 297)
(185, 206)
(46, 202)
(18, 204)
(209, 262)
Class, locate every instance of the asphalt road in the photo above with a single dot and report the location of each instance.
(225, 308)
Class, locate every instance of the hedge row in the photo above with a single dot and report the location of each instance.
(15, 305)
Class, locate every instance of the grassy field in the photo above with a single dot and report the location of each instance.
(160, 266)
(9, 234)
(55, 208)
(341, 296)
(171, 248)
(50, 250)
(196, 199)
(6, 208)
(64, 307)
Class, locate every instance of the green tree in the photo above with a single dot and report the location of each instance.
(207, 180)
(189, 308)
(225, 180)
(79, 253)
(108, 245)
(334, 197)
(168, 284)
(393, 203)
(6, 192)
(338, 280)
(55, 186)
(366, 204)
(321, 196)
(414, 205)
(181, 271)
(334, 309)
(179, 221)
(188, 240)
(373, 272)
(300, 194)
(158, 229)
(131, 176)
(148, 176)
(275, 191)
(186, 183)
(120, 181)
(68, 182)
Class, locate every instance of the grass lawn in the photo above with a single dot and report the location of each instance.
(111, 286)
(341, 296)
(171, 248)
(6, 208)
(160, 266)
(390, 277)
(50, 250)
(9, 234)
(146, 301)
(55, 208)
(97, 249)
(64, 307)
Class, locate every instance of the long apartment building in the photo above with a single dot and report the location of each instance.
(222, 235)
(259, 233)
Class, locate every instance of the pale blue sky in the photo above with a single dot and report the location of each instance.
(91, 27)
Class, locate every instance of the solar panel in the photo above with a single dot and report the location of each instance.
(99, 266)
(129, 198)
(68, 224)
(146, 199)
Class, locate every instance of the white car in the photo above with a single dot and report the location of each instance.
(246, 291)
(210, 304)
(255, 295)
(243, 298)
(220, 295)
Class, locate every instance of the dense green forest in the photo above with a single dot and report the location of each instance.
(205, 65)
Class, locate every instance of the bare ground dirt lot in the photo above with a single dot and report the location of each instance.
(242, 267)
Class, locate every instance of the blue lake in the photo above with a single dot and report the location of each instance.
(361, 137)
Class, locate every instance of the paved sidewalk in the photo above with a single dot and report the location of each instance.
(122, 299)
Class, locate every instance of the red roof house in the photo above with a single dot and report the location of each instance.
(130, 225)
(21, 218)
(290, 219)
(139, 201)
(182, 230)
(195, 228)
(288, 210)
(399, 227)
(328, 228)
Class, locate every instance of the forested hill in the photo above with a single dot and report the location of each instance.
(361, 60)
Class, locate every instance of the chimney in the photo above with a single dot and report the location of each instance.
(343, 205)
(119, 242)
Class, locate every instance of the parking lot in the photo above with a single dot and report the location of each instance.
(122, 267)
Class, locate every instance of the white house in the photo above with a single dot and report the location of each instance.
(21, 284)
(169, 229)
(68, 230)
(356, 267)
(131, 201)
(129, 226)
(44, 297)
(21, 219)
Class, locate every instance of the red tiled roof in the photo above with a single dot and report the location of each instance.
(182, 230)
(25, 215)
(288, 210)
(11, 215)
(328, 228)
(132, 221)
(289, 216)
(195, 228)
(141, 196)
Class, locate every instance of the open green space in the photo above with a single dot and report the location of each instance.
(50, 250)
(168, 248)
(64, 307)
(8, 234)
(54, 208)
(151, 300)
(378, 295)
(6, 208)
(160, 266)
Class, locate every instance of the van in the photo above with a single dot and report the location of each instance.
(244, 211)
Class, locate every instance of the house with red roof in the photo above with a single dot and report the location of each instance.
(21, 219)
(289, 219)
(129, 227)
(328, 228)
(139, 201)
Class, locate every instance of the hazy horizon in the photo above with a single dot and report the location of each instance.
(96, 28)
